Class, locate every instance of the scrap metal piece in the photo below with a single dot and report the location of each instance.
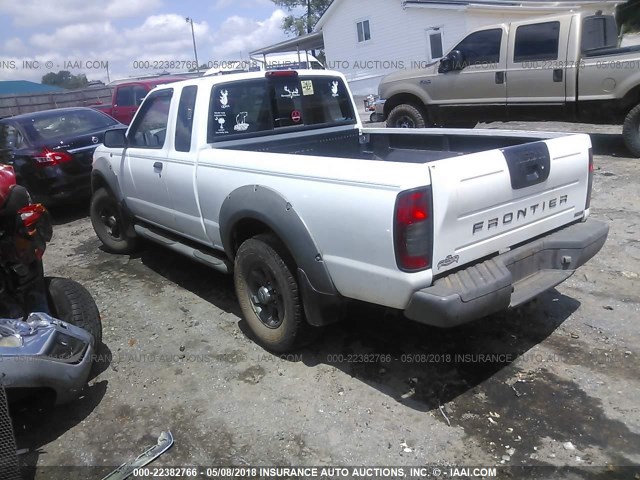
(165, 440)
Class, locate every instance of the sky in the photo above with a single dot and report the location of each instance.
(131, 36)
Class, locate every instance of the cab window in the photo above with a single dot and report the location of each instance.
(537, 42)
(149, 128)
(124, 97)
(481, 48)
(184, 122)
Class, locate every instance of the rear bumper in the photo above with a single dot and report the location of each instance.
(61, 188)
(507, 280)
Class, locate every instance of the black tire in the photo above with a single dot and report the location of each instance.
(268, 293)
(406, 116)
(109, 223)
(631, 131)
(71, 302)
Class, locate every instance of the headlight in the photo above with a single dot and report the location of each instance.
(10, 336)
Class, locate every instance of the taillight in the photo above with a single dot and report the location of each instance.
(590, 182)
(413, 230)
(49, 158)
(30, 214)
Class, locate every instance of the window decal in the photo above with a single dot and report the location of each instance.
(290, 93)
(224, 98)
(307, 87)
(241, 122)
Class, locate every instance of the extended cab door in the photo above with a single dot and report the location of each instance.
(473, 87)
(536, 67)
(144, 166)
(183, 157)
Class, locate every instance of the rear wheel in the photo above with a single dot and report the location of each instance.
(71, 302)
(109, 223)
(406, 116)
(268, 293)
(631, 131)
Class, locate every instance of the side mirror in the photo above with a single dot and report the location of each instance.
(454, 60)
(115, 138)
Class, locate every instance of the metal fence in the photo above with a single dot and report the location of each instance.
(17, 104)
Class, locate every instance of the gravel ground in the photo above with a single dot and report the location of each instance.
(554, 383)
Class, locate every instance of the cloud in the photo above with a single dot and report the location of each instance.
(240, 35)
(163, 37)
(29, 13)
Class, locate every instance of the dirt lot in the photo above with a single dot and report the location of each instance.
(554, 383)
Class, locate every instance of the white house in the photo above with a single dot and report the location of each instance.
(367, 40)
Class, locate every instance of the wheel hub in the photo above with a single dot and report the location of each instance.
(405, 122)
(265, 295)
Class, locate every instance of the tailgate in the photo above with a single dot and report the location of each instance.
(487, 202)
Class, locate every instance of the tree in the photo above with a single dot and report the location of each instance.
(65, 79)
(628, 16)
(309, 12)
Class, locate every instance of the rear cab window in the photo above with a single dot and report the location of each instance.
(277, 104)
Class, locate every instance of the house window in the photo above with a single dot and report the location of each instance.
(434, 43)
(364, 31)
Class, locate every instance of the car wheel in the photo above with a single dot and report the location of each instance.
(631, 131)
(268, 293)
(71, 302)
(406, 116)
(109, 223)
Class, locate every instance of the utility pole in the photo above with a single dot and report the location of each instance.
(193, 36)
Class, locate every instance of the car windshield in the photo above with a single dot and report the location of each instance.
(70, 123)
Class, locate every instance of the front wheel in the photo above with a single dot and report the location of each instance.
(406, 116)
(71, 302)
(268, 293)
(631, 131)
(109, 223)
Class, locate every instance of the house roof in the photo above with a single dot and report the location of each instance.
(522, 4)
(310, 41)
(22, 87)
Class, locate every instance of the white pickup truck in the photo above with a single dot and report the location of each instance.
(271, 176)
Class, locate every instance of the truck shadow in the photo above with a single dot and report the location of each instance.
(609, 144)
(419, 366)
(423, 367)
(463, 376)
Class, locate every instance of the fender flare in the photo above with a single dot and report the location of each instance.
(103, 173)
(261, 203)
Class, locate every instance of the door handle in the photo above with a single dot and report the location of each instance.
(500, 76)
(558, 75)
(157, 166)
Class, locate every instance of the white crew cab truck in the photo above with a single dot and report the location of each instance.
(271, 176)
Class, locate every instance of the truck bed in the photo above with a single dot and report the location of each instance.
(391, 145)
